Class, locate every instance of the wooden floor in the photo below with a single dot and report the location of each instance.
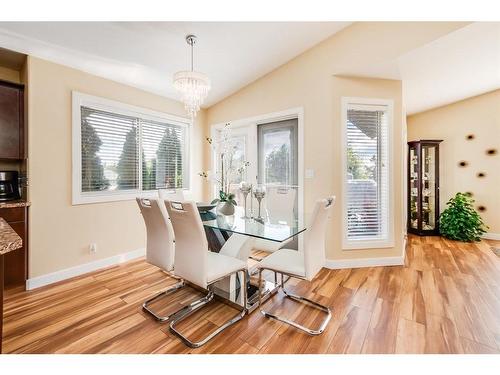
(445, 300)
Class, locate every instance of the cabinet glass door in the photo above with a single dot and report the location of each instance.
(414, 201)
(428, 187)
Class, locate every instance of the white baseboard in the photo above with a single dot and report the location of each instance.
(491, 236)
(50, 278)
(335, 264)
(365, 262)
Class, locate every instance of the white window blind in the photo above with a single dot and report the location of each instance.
(163, 156)
(110, 151)
(122, 152)
(366, 173)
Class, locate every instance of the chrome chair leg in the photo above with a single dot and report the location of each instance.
(196, 305)
(297, 298)
(166, 292)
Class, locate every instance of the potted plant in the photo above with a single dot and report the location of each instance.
(224, 148)
(460, 221)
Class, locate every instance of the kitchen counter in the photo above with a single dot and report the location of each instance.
(9, 240)
(14, 204)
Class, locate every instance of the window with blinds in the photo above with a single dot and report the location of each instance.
(366, 168)
(122, 152)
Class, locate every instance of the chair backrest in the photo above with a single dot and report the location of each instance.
(315, 236)
(280, 202)
(190, 242)
(159, 233)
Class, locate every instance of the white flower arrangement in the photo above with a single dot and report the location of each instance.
(224, 148)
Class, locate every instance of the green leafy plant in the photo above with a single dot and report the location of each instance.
(460, 221)
(225, 197)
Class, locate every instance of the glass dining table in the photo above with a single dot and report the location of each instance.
(220, 227)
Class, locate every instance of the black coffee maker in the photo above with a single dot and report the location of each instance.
(9, 186)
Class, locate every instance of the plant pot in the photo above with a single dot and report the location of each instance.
(225, 208)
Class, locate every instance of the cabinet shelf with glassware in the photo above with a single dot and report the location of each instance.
(423, 187)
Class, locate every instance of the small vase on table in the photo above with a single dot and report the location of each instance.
(259, 194)
(245, 188)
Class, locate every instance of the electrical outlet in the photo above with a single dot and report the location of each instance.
(93, 248)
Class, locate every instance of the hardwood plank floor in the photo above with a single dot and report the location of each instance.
(446, 299)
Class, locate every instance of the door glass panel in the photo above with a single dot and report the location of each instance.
(236, 155)
(239, 157)
(278, 153)
(413, 188)
(428, 187)
(278, 170)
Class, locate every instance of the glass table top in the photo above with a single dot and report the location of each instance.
(273, 230)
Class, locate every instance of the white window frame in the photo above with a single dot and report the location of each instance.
(350, 244)
(83, 100)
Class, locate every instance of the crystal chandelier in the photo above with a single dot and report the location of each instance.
(193, 86)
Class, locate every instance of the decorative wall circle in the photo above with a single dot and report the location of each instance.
(481, 174)
(491, 151)
(481, 208)
(470, 137)
(463, 163)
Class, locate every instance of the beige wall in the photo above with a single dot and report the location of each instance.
(10, 75)
(59, 232)
(480, 116)
(307, 81)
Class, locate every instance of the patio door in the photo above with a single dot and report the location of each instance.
(271, 148)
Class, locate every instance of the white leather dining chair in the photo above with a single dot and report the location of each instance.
(280, 202)
(199, 266)
(160, 247)
(302, 264)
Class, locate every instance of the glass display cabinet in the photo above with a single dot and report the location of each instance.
(423, 187)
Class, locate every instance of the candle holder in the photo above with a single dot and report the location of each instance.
(245, 188)
(259, 194)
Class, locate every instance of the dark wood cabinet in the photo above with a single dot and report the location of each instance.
(423, 187)
(1, 300)
(16, 262)
(11, 121)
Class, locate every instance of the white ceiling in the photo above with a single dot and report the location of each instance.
(459, 65)
(147, 54)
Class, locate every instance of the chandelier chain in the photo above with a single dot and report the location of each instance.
(192, 54)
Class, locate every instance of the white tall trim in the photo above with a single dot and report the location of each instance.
(376, 243)
(50, 278)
